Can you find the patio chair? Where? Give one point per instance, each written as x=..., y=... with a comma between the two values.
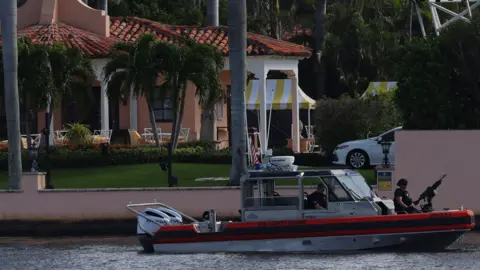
x=183, y=136
x=59, y=136
x=148, y=134
x=136, y=139
x=102, y=136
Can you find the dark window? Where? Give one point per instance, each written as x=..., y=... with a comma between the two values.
x=162, y=108
x=336, y=190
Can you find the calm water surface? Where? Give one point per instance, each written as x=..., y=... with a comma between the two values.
x=124, y=253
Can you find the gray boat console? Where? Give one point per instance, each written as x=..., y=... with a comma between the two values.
x=347, y=195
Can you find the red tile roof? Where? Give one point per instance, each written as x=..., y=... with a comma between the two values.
x=130, y=28
x=91, y=44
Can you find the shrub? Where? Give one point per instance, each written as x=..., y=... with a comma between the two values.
x=348, y=119
x=205, y=145
x=65, y=157
x=78, y=134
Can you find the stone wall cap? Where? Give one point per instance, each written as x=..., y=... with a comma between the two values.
x=34, y=173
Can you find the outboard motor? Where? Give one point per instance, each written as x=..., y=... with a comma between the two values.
x=150, y=220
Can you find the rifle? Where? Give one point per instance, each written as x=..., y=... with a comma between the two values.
x=430, y=192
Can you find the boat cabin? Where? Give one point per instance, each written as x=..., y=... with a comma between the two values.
x=346, y=193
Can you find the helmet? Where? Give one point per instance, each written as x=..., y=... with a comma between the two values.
x=402, y=182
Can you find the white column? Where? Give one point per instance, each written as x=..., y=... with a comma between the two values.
x=105, y=123
x=295, y=115
x=261, y=74
x=133, y=111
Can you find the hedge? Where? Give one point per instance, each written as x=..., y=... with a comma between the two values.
x=63, y=157
x=347, y=119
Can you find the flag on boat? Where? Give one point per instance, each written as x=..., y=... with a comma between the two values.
x=254, y=154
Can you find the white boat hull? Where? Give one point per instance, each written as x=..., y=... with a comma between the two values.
x=421, y=240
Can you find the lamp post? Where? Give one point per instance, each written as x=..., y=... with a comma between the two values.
x=33, y=154
x=167, y=166
x=386, y=150
x=46, y=133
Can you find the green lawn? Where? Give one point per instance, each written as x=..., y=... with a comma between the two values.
x=145, y=175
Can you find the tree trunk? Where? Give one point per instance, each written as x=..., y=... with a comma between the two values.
x=12, y=108
x=237, y=36
x=103, y=5
x=27, y=125
x=256, y=8
x=208, y=119
x=212, y=12
x=175, y=104
x=178, y=127
x=208, y=124
x=321, y=7
x=153, y=123
x=274, y=19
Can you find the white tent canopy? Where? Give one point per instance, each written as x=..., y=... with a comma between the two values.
x=280, y=91
x=375, y=88
x=279, y=96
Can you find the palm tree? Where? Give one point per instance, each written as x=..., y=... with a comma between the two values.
x=72, y=74
x=134, y=67
x=237, y=36
x=35, y=82
x=10, y=72
x=199, y=64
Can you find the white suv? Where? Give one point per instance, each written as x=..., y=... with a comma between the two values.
x=364, y=153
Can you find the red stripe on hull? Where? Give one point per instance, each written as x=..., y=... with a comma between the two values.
x=213, y=238
x=420, y=216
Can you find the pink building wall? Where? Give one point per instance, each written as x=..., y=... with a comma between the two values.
x=422, y=157
x=36, y=203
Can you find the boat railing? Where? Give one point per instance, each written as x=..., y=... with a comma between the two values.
x=131, y=206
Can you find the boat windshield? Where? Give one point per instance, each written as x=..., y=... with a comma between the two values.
x=357, y=185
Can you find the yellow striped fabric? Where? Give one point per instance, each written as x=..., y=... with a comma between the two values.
x=279, y=95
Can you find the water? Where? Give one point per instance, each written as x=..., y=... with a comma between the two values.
x=124, y=253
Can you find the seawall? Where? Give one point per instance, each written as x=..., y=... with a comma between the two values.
x=35, y=211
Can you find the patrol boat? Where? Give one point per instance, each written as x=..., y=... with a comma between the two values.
x=355, y=219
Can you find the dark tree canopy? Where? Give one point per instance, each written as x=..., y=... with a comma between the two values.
x=439, y=80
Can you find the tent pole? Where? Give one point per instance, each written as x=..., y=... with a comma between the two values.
x=309, y=123
x=269, y=123
x=256, y=134
x=269, y=126
x=249, y=146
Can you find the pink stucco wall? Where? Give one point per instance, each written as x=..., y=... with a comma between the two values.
x=35, y=203
x=423, y=157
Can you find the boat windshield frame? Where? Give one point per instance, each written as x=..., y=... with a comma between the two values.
x=356, y=184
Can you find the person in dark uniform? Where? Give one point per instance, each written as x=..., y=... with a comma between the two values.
x=318, y=199
x=402, y=200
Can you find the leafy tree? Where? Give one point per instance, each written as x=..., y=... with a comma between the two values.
x=349, y=119
x=177, y=12
x=438, y=86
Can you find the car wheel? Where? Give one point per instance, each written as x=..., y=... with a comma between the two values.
x=358, y=159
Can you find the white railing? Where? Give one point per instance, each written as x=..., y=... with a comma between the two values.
x=436, y=5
